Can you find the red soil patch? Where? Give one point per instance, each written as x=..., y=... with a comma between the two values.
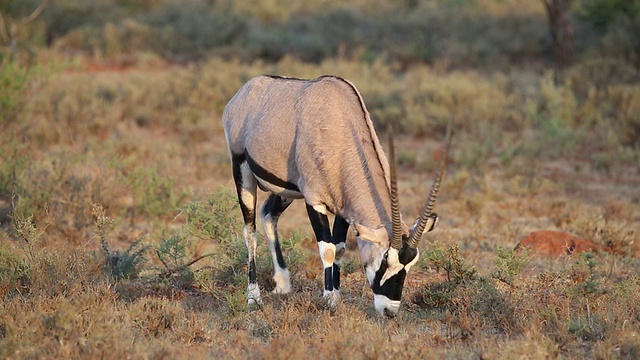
x=87, y=66
x=557, y=243
x=95, y=67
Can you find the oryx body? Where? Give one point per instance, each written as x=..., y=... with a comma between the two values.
x=314, y=139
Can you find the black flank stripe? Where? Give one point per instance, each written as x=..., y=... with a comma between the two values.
x=265, y=175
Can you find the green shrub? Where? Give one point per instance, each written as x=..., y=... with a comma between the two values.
x=125, y=264
x=118, y=264
x=152, y=193
x=450, y=261
x=14, y=85
x=12, y=165
x=623, y=102
x=603, y=13
x=172, y=251
x=215, y=218
x=192, y=29
x=14, y=272
x=509, y=264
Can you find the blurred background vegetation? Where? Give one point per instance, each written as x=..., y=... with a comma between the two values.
x=493, y=34
x=114, y=169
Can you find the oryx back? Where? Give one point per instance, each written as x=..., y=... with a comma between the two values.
x=314, y=139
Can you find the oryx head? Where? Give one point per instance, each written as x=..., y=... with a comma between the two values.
x=387, y=258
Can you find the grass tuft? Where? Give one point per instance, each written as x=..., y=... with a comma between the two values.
x=118, y=264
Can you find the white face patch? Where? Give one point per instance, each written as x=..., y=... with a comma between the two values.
x=371, y=255
x=393, y=265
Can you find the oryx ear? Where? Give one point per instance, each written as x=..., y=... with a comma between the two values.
x=376, y=236
x=432, y=220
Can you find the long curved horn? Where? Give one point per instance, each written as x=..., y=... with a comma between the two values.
x=396, y=229
x=427, y=210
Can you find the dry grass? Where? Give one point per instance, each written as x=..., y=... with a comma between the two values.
x=145, y=144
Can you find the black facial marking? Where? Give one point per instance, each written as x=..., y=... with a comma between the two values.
x=265, y=175
x=407, y=254
x=392, y=287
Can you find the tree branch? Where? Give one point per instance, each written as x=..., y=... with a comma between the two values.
x=35, y=13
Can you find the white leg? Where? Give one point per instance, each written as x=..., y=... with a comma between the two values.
x=270, y=212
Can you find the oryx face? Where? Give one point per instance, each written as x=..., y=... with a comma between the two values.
x=386, y=266
x=389, y=254
x=386, y=270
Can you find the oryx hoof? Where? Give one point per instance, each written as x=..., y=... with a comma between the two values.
x=254, y=302
x=281, y=290
x=283, y=283
x=332, y=298
x=253, y=296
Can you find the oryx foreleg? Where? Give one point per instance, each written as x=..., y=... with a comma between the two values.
x=270, y=211
x=246, y=186
x=339, y=237
x=327, y=249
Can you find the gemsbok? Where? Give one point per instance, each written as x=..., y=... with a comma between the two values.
x=314, y=140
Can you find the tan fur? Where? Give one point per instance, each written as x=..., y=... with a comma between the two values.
x=316, y=134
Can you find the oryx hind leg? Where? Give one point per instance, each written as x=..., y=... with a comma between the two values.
x=246, y=186
x=327, y=249
x=270, y=211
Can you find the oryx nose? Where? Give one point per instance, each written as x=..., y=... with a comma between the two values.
x=391, y=312
x=386, y=306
